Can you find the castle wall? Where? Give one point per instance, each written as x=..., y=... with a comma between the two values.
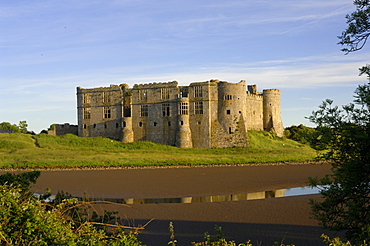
x=62, y=129
x=100, y=112
x=201, y=115
x=254, y=111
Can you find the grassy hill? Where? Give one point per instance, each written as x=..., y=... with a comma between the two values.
x=27, y=151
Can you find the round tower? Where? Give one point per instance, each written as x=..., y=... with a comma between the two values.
x=271, y=112
x=127, y=132
x=231, y=105
x=183, y=136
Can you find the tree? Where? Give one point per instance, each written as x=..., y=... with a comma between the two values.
x=22, y=126
x=358, y=30
x=7, y=125
x=344, y=136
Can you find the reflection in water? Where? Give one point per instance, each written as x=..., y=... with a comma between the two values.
x=221, y=198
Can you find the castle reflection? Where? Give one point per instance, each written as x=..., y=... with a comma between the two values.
x=219, y=198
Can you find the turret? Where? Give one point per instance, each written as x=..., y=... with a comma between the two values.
x=183, y=136
x=271, y=112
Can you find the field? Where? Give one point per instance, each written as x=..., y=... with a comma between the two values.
x=68, y=151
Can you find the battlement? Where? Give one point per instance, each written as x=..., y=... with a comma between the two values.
x=271, y=91
x=156, y=85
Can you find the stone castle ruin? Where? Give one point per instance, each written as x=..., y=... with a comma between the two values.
x=212, y=114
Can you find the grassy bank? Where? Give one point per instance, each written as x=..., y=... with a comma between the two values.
x=21, y=150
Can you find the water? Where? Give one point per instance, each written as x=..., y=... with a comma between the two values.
x=307, y=190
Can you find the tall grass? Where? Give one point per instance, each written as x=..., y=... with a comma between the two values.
x=20, y=150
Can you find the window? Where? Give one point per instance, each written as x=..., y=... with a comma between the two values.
x=155, y=124
x=166, y=109
x=107, y=113
x=86, y=113
x=165, y=93
x=198, y=106
x=143, y=95
x=184, y=108
x=228, y=97
x=198, y=92
x=106, y=97
x=127, y=111
x=124, y=124
x=117, y=125
x=184, y=92
x=230, y=130
x=140, y=124
x=228, y=111
x=144, y=110
x=86, y=98
x=169, y=123
x=84, y=126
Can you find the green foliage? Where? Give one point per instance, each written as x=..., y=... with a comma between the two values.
x=22, y=126
x=7, y=125
x=218, y=240
x=338, y=242
x=301, y=133
x=358, y=29
x=344, y=134
x=23, y=180
x=25, y=220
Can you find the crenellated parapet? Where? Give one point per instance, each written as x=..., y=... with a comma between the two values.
x=155, y=85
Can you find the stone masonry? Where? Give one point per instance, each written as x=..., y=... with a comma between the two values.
x=212, y=114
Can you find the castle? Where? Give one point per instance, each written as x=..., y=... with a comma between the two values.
x=212, y=114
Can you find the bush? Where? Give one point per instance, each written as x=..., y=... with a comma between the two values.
x=24, y=220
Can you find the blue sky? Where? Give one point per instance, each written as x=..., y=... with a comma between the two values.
x=48, y=48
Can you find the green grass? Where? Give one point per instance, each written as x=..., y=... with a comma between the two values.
x=26, y=151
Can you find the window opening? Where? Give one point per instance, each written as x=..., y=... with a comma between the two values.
x=107, y=113
x=228, y=111
x=86, y=98
x=127, y=111
x=165, y=93
x=143, y=95
x=198, y=106
x=198, y=92
x=106, y=97
x=184, y=108
x=86, y=113
x=144, y=110
x=166, y=109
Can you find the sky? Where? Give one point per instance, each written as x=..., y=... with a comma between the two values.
x=48, y=48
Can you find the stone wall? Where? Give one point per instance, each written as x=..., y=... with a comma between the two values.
x=62, y=129
x=202, y=115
